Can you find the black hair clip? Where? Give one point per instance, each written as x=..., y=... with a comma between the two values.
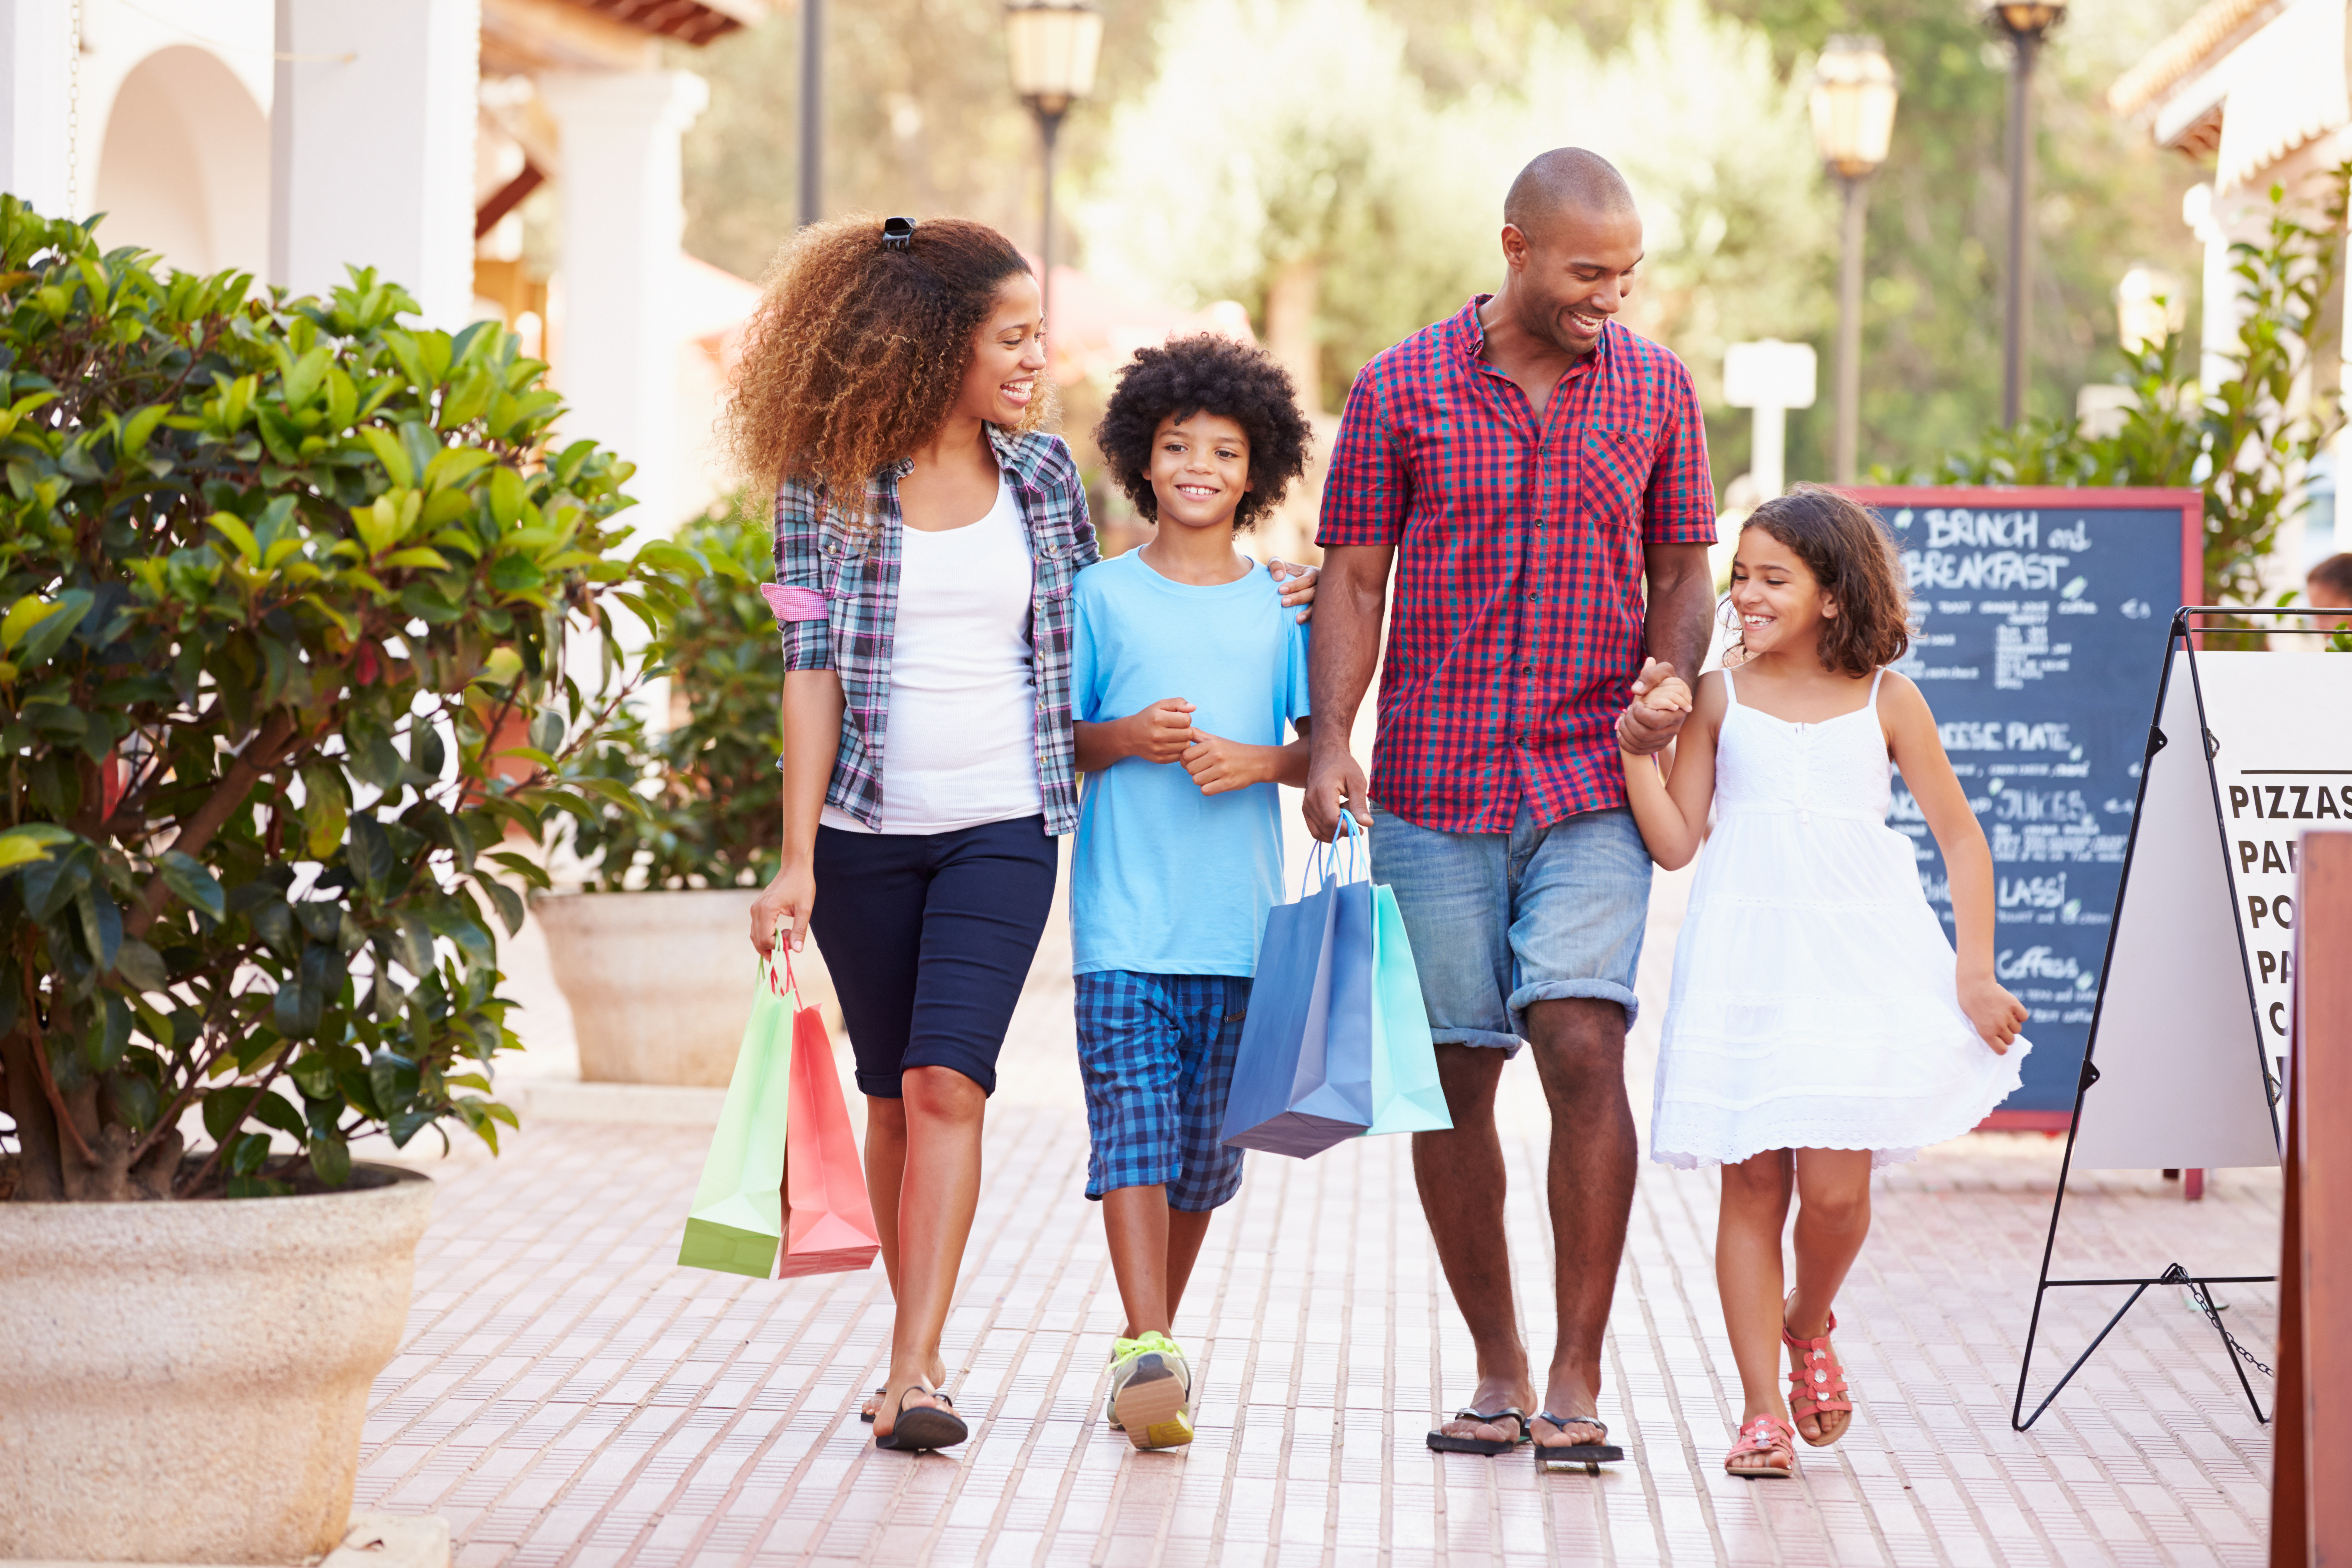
x=898, y=234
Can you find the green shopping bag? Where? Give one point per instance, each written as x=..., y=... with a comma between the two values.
x=737, y=1221
x=1406, y=1094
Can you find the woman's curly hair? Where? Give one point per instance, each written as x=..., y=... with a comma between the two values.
x=856, y=353
x=1211, y=375
x=1856, y=563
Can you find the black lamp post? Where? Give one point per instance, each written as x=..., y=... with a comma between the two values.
x=1052, y=46
x=2025, y=23
x=812, y=110
x=1853, y=120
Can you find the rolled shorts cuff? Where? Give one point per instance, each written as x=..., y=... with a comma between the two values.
x=1166, y=1175
x=1486, y=1039
x=1558, y=990
x=888, y=1086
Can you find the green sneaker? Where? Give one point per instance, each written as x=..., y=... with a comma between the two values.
x=1151, y=1392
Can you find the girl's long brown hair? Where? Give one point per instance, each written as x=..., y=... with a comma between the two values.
x=1858, y=565
x=856, y=353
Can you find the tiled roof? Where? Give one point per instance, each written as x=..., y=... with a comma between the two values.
x=2188, y=50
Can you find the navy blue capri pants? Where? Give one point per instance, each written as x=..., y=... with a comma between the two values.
x=928, y=938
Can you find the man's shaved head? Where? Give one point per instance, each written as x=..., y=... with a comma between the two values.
x=1566, y=180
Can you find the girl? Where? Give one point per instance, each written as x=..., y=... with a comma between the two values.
x=927, y=533
x=1819, y=1023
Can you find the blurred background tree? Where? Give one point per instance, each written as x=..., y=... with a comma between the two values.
x=1338, y=165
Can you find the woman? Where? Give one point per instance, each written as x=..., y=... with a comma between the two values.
x=927, y=534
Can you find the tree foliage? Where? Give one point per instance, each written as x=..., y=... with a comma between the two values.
x=2246, y=442
x=285, y=586
x=706, y=786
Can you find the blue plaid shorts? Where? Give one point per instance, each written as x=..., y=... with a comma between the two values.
x=1157, y=1054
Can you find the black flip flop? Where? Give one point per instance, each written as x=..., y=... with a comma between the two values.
x=1588, y=1456
x=881, y=1392
x=925, y=1427
x=1440, y=1443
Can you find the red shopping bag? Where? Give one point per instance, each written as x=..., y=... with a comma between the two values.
x=828, y=1219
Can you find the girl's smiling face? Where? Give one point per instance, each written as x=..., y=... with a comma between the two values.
x=1200, y=470
x=1007, y=357
x=1779, y=600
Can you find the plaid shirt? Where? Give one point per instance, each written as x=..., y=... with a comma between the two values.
x=1516, y=627
x=851, y=575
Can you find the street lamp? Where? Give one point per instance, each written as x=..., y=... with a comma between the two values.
x=2024, y=23
x=1854, y=119
x=1052, y=45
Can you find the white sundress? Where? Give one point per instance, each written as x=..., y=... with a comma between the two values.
x=1814, y=1002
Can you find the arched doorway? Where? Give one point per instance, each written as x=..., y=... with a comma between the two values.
x=185, y=168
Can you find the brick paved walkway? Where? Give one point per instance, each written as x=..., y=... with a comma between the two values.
x=567, y=1397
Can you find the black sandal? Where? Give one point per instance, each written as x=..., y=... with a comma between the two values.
x=1443, y=1443
x=1590, y=1457
x=881, y=1392
x=925, y=1427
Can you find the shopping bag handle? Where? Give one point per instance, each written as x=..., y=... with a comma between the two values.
x=790, y=989
x=1321, y=863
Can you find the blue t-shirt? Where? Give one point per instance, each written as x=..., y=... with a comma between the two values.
x=1165, y=879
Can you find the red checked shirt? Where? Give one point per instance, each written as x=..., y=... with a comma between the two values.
x=1516, y=627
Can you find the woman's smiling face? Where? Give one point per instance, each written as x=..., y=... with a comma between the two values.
x=1007, y=357
x=1779, y=600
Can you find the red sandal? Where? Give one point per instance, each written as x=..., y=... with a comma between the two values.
x=1771, y=1437
x=1817, y=1386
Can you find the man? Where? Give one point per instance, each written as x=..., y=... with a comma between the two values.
x=2328, y=586
x=1536, y=461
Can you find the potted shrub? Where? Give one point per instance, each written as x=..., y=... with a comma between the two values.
x=273, y=573
x=651, y=950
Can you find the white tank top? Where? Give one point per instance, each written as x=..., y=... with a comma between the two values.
x=960, y=746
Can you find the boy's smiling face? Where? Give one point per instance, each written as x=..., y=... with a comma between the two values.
x=1200, y=470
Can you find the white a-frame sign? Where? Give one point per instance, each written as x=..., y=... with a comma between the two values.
x=2188, y=1037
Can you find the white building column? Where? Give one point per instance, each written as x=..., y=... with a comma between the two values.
x=372, y=147
x=2222, y=291
x=623, y=219
x=36, y=64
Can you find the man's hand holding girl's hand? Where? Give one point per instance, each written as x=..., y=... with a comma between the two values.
x=1997, y=1014
x=1660, y=703
x=1160, y=732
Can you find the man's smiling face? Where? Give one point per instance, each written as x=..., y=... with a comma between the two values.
x=1573, y=273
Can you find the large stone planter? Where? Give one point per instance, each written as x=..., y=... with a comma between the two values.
x=660, y=984
x=185, y=1381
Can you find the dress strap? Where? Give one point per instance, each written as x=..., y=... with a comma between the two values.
x=1874, y=685
x=1730, y=691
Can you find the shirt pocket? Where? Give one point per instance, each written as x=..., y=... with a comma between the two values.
x=1617, y=459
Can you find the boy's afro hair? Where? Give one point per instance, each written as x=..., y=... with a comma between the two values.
x=1217, y=376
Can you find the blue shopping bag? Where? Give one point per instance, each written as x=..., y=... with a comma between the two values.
x=1337, y=1042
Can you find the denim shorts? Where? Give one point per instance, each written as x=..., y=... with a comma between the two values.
x=1500, y=921
x=1157, y=1054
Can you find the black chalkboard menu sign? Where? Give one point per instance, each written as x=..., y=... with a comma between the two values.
x=2041, y=616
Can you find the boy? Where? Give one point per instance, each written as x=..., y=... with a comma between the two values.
x=1185, y=668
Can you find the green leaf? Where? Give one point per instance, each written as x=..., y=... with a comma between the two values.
x=101, y=925
x=547, y=731
x=326, y=805
x=135, y=1099
x=508, y=902
x=23, y=616
x=272, y=1111
x=109, y=1033
x=330, y=1157
x=21, y=846
x=192, y=883
x=43, y=639
x=225, y=1110
x=231, y=527
x=142, y=966
x=50, y=884
x=389, y=452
